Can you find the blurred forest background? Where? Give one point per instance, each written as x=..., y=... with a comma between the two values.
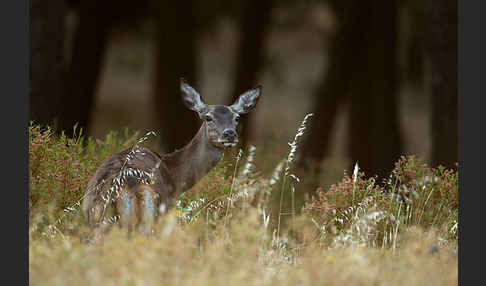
x=380, y=76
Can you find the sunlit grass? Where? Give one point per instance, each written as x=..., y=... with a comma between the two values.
x=223, y=231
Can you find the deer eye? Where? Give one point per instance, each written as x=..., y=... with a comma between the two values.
x=208, y=118
x=237, y=118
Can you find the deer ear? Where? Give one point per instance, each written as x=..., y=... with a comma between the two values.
x=192, y=99
x=247, y=100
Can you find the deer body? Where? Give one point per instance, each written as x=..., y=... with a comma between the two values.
x=137, y=183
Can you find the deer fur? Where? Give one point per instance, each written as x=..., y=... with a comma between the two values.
x=137, y=184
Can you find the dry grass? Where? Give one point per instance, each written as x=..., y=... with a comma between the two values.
x=223, y=232
x=242, y=254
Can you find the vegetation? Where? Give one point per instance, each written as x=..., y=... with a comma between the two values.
x=231, y=227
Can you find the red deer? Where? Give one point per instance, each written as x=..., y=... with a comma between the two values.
x=137, y=184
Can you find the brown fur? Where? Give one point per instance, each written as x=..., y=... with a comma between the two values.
x=146, y=177
x=176, y=173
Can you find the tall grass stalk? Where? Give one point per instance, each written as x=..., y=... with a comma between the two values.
x=240, y=153
x=355, y=177
x=280, y=205
x=207, y=205
x=249, y=162
x=290, y=159
x=293, y=207
x=423, y=207
x=396, y=228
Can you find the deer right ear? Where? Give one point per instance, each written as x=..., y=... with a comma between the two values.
x=192, y=99
x=247, y=100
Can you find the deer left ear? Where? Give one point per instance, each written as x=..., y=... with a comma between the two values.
x=192, y=99
x=247, y=101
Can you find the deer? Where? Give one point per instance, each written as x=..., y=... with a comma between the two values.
x=137, y=184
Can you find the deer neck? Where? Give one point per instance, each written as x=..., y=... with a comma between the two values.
x=189, y=164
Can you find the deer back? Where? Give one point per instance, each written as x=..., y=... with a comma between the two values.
x=130, y=167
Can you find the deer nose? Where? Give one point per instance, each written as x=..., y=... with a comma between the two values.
x=230, y=135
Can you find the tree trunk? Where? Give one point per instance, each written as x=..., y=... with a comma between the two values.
x=89, y=46
x=333, y=89
x=253, y=24
x=46, y=60
x=363, y=66
x=441, y=49
x=415, y=60
x=374, y=129
x=177, y=57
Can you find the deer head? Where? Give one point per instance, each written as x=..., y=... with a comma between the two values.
x=220, y=120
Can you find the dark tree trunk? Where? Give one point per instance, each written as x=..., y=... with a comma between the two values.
x=90, y=39
x=46, y=60
x=332, y=91
x=253, y=25
x=374, y=129
x=441, y=49
x=177, y=57
x=363, y=66
x=415, y=60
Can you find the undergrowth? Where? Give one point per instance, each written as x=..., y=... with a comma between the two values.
x=226, y=229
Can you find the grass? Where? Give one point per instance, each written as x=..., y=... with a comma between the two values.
x=227, y=230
